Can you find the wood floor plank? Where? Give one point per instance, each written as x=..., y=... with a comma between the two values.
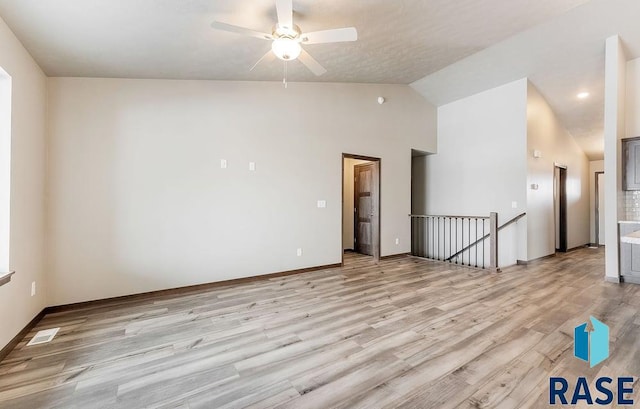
x=404, y=332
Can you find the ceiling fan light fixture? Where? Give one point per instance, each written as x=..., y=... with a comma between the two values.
x=286, y=49
x=287, y=38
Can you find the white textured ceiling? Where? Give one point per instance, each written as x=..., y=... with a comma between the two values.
x=446, y=49
x=561, y=57
x=400, y=41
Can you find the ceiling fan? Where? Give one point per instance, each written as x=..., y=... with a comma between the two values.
x=287, y=38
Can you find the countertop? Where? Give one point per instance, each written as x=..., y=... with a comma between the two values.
x=633, y=238
x=629, y=221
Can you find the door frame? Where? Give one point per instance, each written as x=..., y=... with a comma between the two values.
x=597, y=209
x=376, y=234
x=561, y=224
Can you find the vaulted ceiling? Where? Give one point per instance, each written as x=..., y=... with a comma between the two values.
x=399, y=41
x=445, y=49
x=561, y=57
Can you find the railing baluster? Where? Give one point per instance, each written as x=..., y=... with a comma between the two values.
x=433, y=233
x=462, y=242
x=469, y=238
x=437, y=238
x=429, y=238
x=483, y=243
x=415, y=228
x=422, y=238
x=456, y=239
x=425, y=232
x=413, y=237
x=418, y=227
x=476, y=238
x=450, y=239
x=438, y=235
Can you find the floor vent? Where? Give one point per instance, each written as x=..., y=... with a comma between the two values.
x=44, y=336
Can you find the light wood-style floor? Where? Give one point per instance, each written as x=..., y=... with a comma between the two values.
x=406, y=333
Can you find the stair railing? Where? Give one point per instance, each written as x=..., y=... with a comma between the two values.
x=458, y=239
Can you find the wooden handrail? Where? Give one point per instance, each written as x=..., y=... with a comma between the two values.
x=6, y=277
x=450, y=217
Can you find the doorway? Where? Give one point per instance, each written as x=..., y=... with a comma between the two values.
x=560, y=206
x=599, y=216
x=361, y=206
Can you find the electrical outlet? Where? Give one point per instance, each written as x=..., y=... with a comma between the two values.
x=299, y=252
x=514, y=205
x=33, y=288
x=397, y=241
x=322, y=204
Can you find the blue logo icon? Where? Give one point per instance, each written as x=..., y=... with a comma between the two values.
x=591, y=342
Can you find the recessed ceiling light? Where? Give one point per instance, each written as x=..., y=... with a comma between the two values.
x=583, y=95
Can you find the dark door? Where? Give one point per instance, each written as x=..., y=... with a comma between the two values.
x=599, y=209
x=366, y=212
x=561, y=208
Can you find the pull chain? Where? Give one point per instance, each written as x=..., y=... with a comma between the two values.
x=284, y=80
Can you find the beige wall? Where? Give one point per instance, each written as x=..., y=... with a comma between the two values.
x=26, y=253
x=348, y=203
x=546, y=134
x=138, y=201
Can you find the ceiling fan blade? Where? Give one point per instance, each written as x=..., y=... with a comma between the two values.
x=337, y=35
x=240, y=30
x=268, y=57
x=313, y=65
x=285, y=13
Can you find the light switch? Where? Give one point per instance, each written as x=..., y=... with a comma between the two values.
x=252, y=166
x=223, y=163
x=322, y=204
x=514, y=205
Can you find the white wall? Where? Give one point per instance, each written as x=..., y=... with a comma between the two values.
x=26, y=253
x=480, y=166
x=594, y=166
x=348, y=233
x=138, y=201
x=546, y=134
x=614, y=130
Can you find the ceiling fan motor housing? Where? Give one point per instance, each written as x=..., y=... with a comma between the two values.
x=279, y=31
x=286, y=43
